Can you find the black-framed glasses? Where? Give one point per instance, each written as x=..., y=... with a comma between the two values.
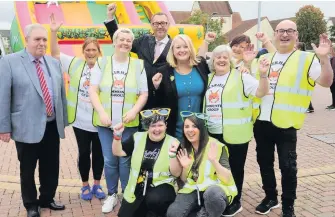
x=288, y=31
x=156, y=24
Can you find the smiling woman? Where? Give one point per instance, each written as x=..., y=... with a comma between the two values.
x=151, y=176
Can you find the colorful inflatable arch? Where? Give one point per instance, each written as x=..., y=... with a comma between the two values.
x=83, y=19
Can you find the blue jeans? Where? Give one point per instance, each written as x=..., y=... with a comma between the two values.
x=115, y=167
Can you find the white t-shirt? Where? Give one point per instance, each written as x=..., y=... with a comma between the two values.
x=120, y=71
x=276, y=67
x=84, y=107
x=214, y=99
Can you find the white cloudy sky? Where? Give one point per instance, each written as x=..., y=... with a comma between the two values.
x=248, y=9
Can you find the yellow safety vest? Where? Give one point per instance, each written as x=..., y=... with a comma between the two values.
x=75, y=72
x=208, y=176
x=237, y=123
x=292, y=93
x=135, y=69
x=161, y=169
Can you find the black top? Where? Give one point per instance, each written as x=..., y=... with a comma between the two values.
x=168, y=91
x=144, y=47
x=151, y=153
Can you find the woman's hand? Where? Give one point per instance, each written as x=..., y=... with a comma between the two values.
x=264, y=66
x=129, y=116
x=118, y=129
x=184, y=159
x=105, y=119
x=174, y=147
x=212, y=153
x=54, y=26
x=249, y=54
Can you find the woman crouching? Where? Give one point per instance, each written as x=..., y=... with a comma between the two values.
x=209, y=186
x=150, y=188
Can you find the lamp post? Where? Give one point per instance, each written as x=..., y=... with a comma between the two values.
x=259, y=22
x=209, y=19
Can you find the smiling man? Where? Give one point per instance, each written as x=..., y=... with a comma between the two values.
x=152, y=49
x=33, y=114
x=292, y=75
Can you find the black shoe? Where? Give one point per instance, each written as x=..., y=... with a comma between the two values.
x=288, y=211
x=266, y=206
x=33, y=211
x=53, y=206
x=310, y=111
x=232, y=209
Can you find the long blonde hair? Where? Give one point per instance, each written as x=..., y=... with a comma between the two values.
x=171, y=59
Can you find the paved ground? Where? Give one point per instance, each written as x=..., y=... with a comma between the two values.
x=316, y=182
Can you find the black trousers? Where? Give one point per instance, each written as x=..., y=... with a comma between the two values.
x=84, y=141
x=237, y=157
x=46, y=153
x=332, y=90
x=155, y=203
x=267, y=136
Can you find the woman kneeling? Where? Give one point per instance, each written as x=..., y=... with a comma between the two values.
x=209, y=186
x=150, y=188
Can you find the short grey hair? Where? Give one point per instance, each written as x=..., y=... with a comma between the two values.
x=216, y=52
x=29, y=28
x=123, y=30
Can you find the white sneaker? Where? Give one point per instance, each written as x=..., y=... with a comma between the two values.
x=109, y=203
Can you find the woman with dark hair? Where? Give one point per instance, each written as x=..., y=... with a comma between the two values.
x=301, y=46
x=243, y=50
x=209, y=186
x=150, y=189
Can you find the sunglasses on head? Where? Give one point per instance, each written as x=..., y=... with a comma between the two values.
x=151, y=112
x=185, y=114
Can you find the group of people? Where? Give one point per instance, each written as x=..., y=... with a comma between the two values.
x=170, y=121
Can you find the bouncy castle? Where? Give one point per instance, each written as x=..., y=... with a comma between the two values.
x=83, y=19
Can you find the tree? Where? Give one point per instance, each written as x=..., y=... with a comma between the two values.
x=310, y=23
x=332, y=33
x=214, y=25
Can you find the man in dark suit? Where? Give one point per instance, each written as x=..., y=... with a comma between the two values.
x=33, y=114
x=152, y=49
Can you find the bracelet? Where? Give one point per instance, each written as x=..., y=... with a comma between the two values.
x=264, y=76
x=207, y=42
x=172, y=154
x=117, y=137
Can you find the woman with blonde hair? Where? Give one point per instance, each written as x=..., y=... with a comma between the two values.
x=80, y=110
x=118, y=94
x=183, y=80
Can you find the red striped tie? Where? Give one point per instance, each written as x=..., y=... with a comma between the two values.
x=44, y=87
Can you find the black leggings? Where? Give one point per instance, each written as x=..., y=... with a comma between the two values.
x=156, y=202
x=84, y=141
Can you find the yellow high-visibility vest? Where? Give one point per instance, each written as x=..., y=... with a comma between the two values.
x=292, y=93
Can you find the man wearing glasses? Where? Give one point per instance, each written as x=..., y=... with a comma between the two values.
x=281, y=112
x=152, y=49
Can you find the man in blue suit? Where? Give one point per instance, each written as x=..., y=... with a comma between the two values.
x=33, y=114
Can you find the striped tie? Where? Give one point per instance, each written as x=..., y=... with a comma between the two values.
x=44, y=87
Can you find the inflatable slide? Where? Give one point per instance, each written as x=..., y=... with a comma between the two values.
x=83, y=19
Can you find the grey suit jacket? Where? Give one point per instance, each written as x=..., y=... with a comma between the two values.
x=22, y=109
